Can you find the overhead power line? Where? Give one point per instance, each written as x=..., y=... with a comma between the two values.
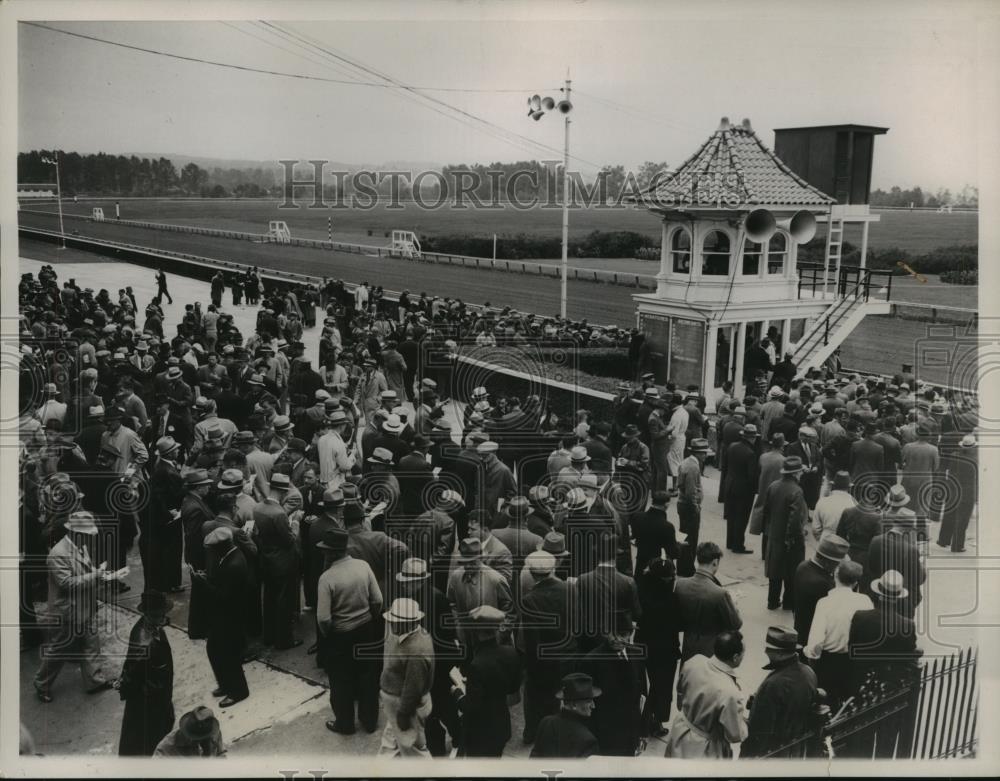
x=251, y=69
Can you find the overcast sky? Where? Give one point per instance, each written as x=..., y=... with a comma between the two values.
x=675, y=77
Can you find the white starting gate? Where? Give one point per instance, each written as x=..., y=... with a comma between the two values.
x=277, y=231
x=97, y=214
x=406, y=244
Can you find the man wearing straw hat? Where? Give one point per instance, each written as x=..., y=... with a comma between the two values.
x=406, y=681
x=785, y=517
x=785, y=702
x=896, y=549
x=566, y=734
x=883, y=640
x=72, y=604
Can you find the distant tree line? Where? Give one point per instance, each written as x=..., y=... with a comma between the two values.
x=104, y=174
x=968, y=197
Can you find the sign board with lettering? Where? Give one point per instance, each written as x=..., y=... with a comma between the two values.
x=655, y=351
x=687, y=351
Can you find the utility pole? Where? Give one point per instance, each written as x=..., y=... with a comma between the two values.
x=55, y=162
x=565, y=214
x=537, y=106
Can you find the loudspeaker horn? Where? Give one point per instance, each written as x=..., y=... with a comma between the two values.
x=565, y=106
x=537, y=115
x=548, y=104
x=801, y=226
x=534, y=102
x=760, y=225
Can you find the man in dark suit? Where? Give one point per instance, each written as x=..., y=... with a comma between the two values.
x=963, y=469
x=567, y=734
x=653, y=533
x=225, y=586
x=194, y=513
x=784, y=703
x=415, y=475
x=616, y=665
x=867, y=457
x=893, y=450
x=787, y=423
x=146, y=683
x=705, y=607
x=740, y=487
x=807, y=448
x=883, y=641
x=814, y=579
x=896, y=549
x=162, y=536
x=785, y=517
x=546, y=637
x=492, y=674
x=601, y=594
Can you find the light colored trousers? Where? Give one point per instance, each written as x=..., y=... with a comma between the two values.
x=404, y=743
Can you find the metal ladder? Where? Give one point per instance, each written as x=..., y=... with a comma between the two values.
x=834, y=244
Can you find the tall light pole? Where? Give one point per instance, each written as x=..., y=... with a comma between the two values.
x=55, y=162
x=537, y=106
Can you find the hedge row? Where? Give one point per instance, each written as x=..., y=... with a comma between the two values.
x=597, y=244
x=963, y=277
x=937, y=261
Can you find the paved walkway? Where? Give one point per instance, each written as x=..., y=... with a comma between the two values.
x=288, y=705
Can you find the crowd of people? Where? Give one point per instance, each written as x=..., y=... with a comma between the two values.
x=458, y=557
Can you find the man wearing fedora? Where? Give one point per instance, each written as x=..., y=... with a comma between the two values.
x=280, y=567
x=431, y=535
x=473, y=583
x=146, y=683
x=814, y=579
x=406, y=681
x=130, y=447
x=197, y=735
x=896, y=549
x=785, y=703
x=566, y=733
x=73, y=580
x=616, y=666
x=689, y=498
x=546, y=634
x=653, y=534
x=226, y=585
x=162, y=538
x=331, y=508
x=806, y=447
x=739, y=487
x=963, y=470
x=785, y=516
x=347, y=603
x=414, y=581
x=883, y=640
x=194, y=513
x=492, y=674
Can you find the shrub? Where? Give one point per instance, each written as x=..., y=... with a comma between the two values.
x=961, y=277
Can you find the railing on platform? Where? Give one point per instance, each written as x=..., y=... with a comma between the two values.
x=852, y=280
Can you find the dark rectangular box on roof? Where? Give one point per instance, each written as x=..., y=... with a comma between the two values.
x=836, y=159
